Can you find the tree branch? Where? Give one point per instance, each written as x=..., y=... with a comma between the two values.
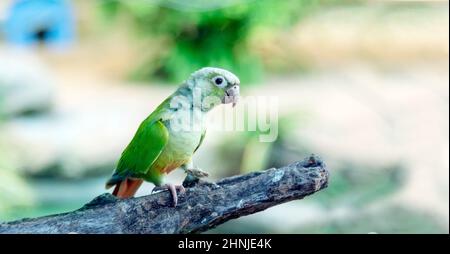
x=203, y=206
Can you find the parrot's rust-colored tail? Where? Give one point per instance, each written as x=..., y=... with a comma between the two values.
x=127, y=188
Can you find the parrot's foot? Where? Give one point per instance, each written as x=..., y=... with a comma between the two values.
x=193, y=177
x=173, y=191
x=197, y=173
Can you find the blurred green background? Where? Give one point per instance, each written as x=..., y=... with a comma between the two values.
x=363, y=84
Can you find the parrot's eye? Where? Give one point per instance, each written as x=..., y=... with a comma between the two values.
x=220, y=81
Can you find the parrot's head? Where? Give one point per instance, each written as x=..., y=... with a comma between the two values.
x=216, y=83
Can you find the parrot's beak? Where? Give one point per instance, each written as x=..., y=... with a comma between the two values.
x=232, y=95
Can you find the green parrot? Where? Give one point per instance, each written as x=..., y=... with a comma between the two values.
x=169, y=136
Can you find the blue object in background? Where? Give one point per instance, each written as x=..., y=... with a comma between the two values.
x=48, y=22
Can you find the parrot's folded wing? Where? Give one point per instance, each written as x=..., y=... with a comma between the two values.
x=147, y=144
x=201, y=140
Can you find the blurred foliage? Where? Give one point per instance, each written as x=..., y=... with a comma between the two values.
x=245, y=151
x=56, y=196
x=389, y=220
x=357, y=185
x=351, y=185
x=212, y=36
x=14, y=191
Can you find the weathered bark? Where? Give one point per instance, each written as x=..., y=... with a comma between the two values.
x=202, y=207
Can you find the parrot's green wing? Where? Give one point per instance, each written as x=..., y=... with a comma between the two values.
x=145, y=147
x=201, y=140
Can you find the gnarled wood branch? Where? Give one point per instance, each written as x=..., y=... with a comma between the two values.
x=203, y=206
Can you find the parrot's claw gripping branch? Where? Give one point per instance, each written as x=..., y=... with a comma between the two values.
x=173, y=191
x=202, y=207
